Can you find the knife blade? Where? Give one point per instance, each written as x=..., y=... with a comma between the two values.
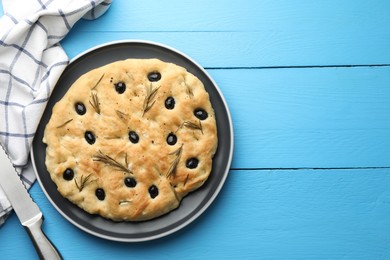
x=25, y=208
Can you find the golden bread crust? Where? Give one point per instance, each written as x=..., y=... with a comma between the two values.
x=102, y=137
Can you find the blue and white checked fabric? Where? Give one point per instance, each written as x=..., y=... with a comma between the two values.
x=31, y=61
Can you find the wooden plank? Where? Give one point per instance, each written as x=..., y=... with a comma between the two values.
x=293, y=118
x=256, y=33
x=250, y=49
x=305, y=16
x=304, y=214
x=251, y=33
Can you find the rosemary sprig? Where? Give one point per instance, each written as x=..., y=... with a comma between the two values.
x=175, y=162
x=149, y=98
x=95, y=102
x=106, y=159
x=97, y=83
x=64, y=124
x=191, y=125
x=83, y=182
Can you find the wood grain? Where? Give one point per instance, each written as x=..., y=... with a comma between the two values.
x=307, y=83
x=320, y=117
x=252, y=49
x=324, y=17
x=305, y=214
x=254, y=33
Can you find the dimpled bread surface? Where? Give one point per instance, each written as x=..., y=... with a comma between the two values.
x=130, y=139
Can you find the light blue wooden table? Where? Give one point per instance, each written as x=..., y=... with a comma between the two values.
x=308, y=87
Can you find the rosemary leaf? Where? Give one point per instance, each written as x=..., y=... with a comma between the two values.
x=121, y=115
x=153, y=93
x=111, y=137
x=98, y=81
x=126, y=162
x=64, y=124
x=148, y=107
x=185, y=182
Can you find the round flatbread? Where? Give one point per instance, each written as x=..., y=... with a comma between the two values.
x=130, y=139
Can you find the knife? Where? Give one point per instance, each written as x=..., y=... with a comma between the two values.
x=26, y=209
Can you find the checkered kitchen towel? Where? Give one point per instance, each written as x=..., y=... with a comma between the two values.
x=31, y=61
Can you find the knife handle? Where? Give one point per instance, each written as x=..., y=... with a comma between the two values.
x=44, y=247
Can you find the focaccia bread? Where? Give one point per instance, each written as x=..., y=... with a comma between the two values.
x=130, y=139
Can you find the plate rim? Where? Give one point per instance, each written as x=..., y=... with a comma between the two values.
x=220, y=184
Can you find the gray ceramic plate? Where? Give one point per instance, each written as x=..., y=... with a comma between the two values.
x=191, y=206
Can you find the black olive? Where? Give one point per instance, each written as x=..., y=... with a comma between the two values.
x=100, y=194
x=153, y=191
x=192, y=163
x=68, y=174
x=80, y=108
x=171, y=139
x=130, y=182
x=200, y=113
x=133, y=137
x=90, y=137
x=170, y=103
x=120, y=87
x=154, y=76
